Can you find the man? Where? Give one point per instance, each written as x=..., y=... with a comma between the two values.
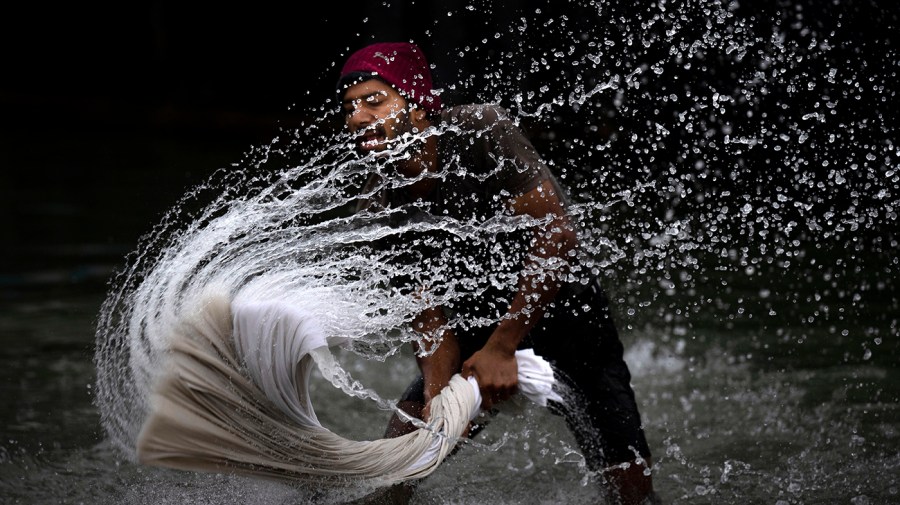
x=500, y=264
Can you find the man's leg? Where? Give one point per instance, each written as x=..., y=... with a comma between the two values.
x=631, y=483
x=412, y=403
x=599, y=407
x=607, y=429
x=398, y=427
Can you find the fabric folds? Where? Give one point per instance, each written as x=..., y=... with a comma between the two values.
x=234, y=399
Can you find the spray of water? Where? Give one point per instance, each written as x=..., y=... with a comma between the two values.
x=696, y=139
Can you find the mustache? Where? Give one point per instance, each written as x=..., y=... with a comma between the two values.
x=376, y=130
x=366, y=134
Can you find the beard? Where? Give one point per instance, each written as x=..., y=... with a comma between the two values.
x=375, y=140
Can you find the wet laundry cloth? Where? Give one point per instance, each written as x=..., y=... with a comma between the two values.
x=234, y=399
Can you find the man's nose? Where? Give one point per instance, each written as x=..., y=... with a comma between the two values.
x=360, y=118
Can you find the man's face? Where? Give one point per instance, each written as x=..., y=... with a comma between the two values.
x=376, y=113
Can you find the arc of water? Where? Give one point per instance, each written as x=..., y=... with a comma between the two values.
x=234, y=399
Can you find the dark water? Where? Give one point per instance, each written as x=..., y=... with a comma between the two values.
x=767, y=383
x=73, y=208
x=767, y=364
x=740, y=406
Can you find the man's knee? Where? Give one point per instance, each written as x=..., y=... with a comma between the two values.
x=630, y=483
x=398, y=427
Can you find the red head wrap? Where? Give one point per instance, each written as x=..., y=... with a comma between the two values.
x=400, y=64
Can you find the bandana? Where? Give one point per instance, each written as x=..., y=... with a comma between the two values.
x=399, y=64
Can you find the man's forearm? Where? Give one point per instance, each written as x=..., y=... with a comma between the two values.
x=541, y=279
x=438, y=355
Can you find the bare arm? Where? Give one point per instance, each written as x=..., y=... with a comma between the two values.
x=494, y=366
x=438, y=356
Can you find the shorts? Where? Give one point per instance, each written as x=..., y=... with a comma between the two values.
x=584, y=348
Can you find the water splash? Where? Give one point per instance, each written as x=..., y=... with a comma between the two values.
x=720, y=156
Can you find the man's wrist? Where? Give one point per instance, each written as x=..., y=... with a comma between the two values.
x=504, y=340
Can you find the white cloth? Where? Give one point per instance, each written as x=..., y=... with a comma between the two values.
x=275, y=340
x=235, y=398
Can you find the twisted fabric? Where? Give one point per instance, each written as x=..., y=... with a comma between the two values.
x=234, y=399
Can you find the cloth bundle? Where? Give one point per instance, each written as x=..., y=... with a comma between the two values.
x=234, y=399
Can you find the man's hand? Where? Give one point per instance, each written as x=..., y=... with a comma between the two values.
x=494, y=366
x=431, y=390
x=426, y=414
x=497, y=374
x=437, y=355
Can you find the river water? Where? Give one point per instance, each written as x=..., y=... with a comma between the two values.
x=738, y=188
x=740, y=406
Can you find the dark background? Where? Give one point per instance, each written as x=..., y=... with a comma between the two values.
x=110, y=112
